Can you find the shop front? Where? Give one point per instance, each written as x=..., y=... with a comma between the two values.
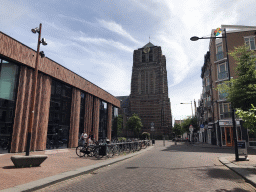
x=226, y=128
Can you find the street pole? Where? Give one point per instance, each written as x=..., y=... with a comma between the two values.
x=191, y=110
x=33, y=95
x=233, y=111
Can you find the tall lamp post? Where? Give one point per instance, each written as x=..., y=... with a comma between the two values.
x=34, y=86
x=191, y=107
x=195, y=38
x=191, y=118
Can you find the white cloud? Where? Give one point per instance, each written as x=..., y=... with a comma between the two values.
x=104, y=42
x=116, y=28
x=12, y=13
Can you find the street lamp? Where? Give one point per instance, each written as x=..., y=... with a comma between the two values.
x=191, y=118
x=191, y=107
x=34, y=86
x=195, y=38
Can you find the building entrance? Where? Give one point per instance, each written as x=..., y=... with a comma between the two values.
x=229, y=136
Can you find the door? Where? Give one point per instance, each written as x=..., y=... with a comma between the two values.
x=229, y=136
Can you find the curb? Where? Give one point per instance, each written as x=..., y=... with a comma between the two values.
x=41, y=183
x=248, y=176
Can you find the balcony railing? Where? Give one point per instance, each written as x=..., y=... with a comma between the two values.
x=225, y=115
x=223, y=75
x=206, y=73
x=222, y=96
x=207, y=88
x=208, y=103
x=219, y=56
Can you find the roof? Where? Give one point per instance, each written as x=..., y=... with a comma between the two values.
x=149, y=45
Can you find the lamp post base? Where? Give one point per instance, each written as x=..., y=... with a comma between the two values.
x=21, y=161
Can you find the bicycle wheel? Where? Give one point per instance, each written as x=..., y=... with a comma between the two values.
x=78, y=151
x=116, y=150
x=97, y=153
x=91, y=150
x=110, y=151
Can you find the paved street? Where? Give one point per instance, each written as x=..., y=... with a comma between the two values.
x=169, y=168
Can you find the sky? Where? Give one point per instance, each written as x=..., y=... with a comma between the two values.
x=96, y=39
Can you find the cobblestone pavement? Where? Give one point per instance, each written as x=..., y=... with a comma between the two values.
x=170, y=168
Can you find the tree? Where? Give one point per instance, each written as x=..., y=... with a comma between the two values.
x=177, y=130
x=134, y=124
x=189, y=121
x=241, y=92
x=249, y=118
x=118, y=125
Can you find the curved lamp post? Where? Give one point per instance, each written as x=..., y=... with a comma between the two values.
x=34, y=85
x=191, y=107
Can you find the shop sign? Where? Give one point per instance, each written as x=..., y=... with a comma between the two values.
x=228, y=123
x=209, y=126
x=225, y=123
x=242, y=148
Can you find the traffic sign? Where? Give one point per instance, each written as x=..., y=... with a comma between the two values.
x=152, y=126
x=191, y=128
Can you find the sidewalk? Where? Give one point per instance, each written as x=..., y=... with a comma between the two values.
x=246, y=169
x=61, y=164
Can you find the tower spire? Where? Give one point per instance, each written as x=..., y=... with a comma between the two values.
x=149, y=38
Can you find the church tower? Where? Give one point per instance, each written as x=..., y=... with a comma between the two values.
x=149, y=90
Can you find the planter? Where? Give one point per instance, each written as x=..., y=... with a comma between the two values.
x=21, y=161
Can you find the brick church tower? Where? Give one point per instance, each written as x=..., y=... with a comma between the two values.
x=149, y=90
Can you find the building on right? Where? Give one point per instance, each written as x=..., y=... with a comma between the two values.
x=214, y=111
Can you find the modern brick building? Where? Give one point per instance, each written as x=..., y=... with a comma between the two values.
x=66, y=103
x=149, y=90
x=214, y=111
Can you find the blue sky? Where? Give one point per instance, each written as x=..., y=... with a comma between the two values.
x=96, y=39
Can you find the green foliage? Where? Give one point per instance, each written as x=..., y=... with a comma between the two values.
x=189, y=121
x=145, y=135
x=121, y=139
x=118, y=125
x=177, y=129
x=249, y=118
x=134, y=124
x=242, y=90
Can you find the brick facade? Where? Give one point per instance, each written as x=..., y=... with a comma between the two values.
x=21, y=55
x=210, y=114
x=149, y=90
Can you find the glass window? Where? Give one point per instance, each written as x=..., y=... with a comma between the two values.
x=8, y=84
x=143, y=58
x=8, y=73
x=59, y=118
x=222, y=71
x=82, y=113
x=250, y=42
x=219, y=50
x=103, y=120
x=225, y=110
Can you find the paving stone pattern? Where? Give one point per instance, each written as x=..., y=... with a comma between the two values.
x=170, y=168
